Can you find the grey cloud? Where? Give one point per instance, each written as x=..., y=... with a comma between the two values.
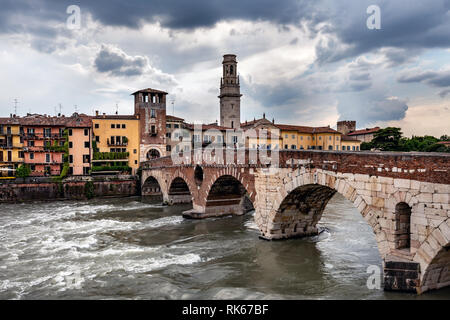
x=439, y=79
x=116, y=62
x=366, y=110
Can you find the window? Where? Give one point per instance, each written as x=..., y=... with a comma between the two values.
x=337, y=148
x=329, y=138
x=235, y=139
x=286, y=136
x=86, y=158
x=113, y=126
x=32, y=156
x=61, y=132
x=320, y=147
x=301, y=148
x=70, y=158
x=124, y=126
x=86, y=132
x=320, y=138
x=176, y=126
x=97, y=139
x=301, y=137
x=47, y=157
x=348, y=148
x=293, y=147
x=118, y=126
x=33, y=167
x=353, y=148
x=134, y=151
x=196, y=138
x=97, y=126
x=168, y=135
x=153, y=113
x=21, y=155
x=70, y=132
x=86, y=171
x=47, y=132
x=337, y=138
x=168, y=125
x=135, y=161
x=286, y=146
x=153, y=129
x=232, y=124
x=70, y=144
x=87, y=144
x=293, y=136
x=206, y=138
x=357, y=148
x=168, y=148
x=343, y=148
x=30, y=131
x=113, y=140
x=330, y=147
x=219, y=139
x=31, y=143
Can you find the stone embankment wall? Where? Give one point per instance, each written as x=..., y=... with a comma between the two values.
x=71, y=188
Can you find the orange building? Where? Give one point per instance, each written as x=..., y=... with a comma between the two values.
x=79, y=132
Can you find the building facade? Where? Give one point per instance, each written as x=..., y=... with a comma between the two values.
x=43, y=141
x=116, y=144
x=11, y=146
x=79, y=133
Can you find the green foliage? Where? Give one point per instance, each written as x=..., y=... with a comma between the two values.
x=387, y=139
x=111, y=155
x=89, y=189
x=121, y=168
x=390, y=139
x=366, y=146
x=23, y=171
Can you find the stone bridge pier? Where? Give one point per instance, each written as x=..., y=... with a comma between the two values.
x=404, y=197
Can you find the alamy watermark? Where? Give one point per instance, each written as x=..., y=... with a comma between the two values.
x=73, y=22
x=374, y=280
x=374, y=20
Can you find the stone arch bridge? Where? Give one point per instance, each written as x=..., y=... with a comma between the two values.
x=404, y=197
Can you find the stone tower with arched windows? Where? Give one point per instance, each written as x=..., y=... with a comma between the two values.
x=230, y=93
x=150, y=105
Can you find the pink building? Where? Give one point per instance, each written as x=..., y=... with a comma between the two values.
x=79, y=128
x=43, y=144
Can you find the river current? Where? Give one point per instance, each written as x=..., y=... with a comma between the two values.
x=128, y=249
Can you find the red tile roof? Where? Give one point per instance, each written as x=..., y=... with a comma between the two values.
x=363, y=131
x=149, y=90
x=173, y=118
x=446, y=143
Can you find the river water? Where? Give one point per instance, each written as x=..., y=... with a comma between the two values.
x=127, y=249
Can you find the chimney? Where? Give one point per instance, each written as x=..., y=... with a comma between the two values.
x=96, y=113
x=10, y=115
x=273, y=120
x=264, y=115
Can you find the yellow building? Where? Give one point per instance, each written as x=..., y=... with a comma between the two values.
x=350, y=144
x=116, y=144
x=11, y=146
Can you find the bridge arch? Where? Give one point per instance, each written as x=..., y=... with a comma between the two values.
x=436, y=274
x=227, y=194
x=299, y=203
x=152, y=190
x=180, y=190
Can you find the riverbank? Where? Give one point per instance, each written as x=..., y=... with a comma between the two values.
x=72, y=188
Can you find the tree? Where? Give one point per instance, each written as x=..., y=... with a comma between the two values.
x=387, y=139
x=444, y=138
x=23, y=171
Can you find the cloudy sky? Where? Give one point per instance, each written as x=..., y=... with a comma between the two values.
x=308, y=62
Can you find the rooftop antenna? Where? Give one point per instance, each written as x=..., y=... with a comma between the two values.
x=117, y=107
x=60, y=108
x=16, y=102
x=76, y=108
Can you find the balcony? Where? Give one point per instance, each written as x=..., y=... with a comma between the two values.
x=117, y=144
x=41, y=136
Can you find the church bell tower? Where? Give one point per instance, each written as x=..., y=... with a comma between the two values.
x=230, y=94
